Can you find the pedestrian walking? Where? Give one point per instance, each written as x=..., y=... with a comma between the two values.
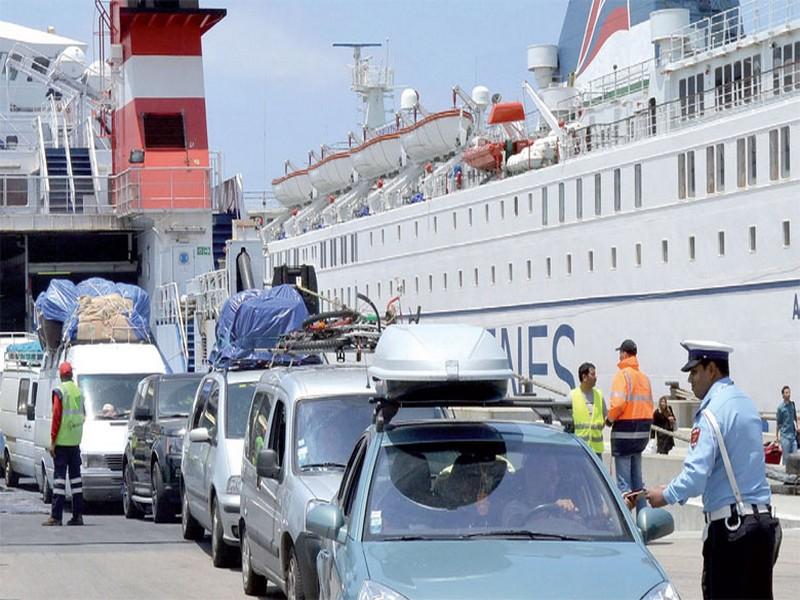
x=725, y=464
x=630, y=417
x=664, y=417
x=786, y=419
x=588, y=409
x=65, y=440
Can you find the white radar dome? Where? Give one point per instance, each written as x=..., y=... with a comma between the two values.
x=71, y=62
x=409, y=99
x=481, y=96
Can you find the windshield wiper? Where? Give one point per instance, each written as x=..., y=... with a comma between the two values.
x=323, y=465
x=415, y=538
x=528, y=535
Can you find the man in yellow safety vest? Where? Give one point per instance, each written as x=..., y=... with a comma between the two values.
x=588, y=409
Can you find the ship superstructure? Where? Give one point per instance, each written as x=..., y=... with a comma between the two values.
x=652, y=196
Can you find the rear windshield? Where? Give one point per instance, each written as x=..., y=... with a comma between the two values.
x=176, y=396
x=109, y=396
x=240, y=396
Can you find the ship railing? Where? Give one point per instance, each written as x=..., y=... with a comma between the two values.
x=168, y=312
x=143, y=189
x=620, y=82
x=49, y=195
x=751, y=17
x=209, y=292
x=17, y=133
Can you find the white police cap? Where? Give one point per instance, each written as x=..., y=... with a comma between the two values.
x=700, y=350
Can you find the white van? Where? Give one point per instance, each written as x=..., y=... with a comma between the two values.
x=18, y=385
x=107, y=375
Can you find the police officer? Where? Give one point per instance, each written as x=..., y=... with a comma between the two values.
x=66, y=432
x=725, y=464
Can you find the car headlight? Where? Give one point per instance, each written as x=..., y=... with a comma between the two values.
x=371, y=590
x=663, y=591
x=93, y=461
x=174, y=444
x=234, y=485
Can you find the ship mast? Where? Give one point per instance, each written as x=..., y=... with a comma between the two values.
x=371, y=83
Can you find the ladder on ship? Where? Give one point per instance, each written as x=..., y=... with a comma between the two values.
x=69, y=175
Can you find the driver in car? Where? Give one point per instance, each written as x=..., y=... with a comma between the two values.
x=541, y=491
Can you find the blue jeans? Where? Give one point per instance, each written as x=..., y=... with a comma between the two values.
x=788, y=445
x=629, y=475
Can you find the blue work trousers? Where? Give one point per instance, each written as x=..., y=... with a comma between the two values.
x=67, y=458
x=629, y=475
x=788, y=445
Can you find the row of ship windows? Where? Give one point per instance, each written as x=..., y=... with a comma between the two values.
x=399, y=286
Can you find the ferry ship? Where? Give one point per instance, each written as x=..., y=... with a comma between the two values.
x=644, y=186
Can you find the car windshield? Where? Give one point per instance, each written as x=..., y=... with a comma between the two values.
x=240, y=396
x=327, y=428
x=176, y=396
x=505, y=488
x=109, y=396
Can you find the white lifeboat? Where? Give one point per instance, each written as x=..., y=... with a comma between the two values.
x=378, y=156
x=437, y=134
x=293, y=189
x=332, y=173
x=542, y=153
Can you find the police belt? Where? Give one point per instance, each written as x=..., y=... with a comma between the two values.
x=726, y=512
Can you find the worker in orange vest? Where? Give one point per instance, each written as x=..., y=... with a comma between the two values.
x=630, y=418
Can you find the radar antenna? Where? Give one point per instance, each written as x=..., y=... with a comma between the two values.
x=372, y=83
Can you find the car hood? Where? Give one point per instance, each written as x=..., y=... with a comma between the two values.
x=322, y=484
x=234, y=448
x=509, y=569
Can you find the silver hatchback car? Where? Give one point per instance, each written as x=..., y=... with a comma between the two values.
x=212, y=458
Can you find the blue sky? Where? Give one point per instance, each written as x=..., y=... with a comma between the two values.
x=275, y=88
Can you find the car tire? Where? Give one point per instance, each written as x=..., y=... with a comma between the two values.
x=252, y=583
x=221, y=553
x=11, y=476
x=47, y=491
x=129, y=506
x=162, y=512
x=190, y=528
x=294, y=579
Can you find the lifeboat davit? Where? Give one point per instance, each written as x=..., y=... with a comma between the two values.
x=436, y=135
x=378, y=156
x=332, y=173
x=293, y=189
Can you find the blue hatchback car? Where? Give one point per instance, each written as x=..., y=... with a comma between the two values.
x=482, y=510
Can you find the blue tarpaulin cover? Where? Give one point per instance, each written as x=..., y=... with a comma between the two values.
x=58, y=301
x=251, y=322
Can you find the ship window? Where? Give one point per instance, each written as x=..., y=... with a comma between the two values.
x=613, y=257
x=416, y=229
x=690, y=187
x=721, y=243
x=579, y=198
x=777, y=61
x=598, y=206
x=370, y=238
x=399, y=233
x=163, y=131
x=569, y=264
x=741, y=163
x=486, y=212
x=548, y=267
x=752, y=237
x=691, y=248
x=510, y=272
x=502, y=209
x=638, y=254
x=344, y=248
x=348, y=297
x=785, y=145
x=475, y=273
x=435, y=224
x=516, y=206
x=383, y=236
x=529, y=267
x=544, y=205
x=773, y=155
x=334, y=256
x=430, y=283
x=751, y=163
x=460, y=278
x=691, y=91
x=416, y=285
x=469, y=214
x=366, y=290
x=728, y=72
x=455, y=220
x=681, y=176
x=718, y=90
x=664, y=251
x=379, y=289
x=561, y=203
x=494, y=276
x=787, y=234
x=637, y=185
x=617, y=190
x=710, y=171
x=530, y=202
x=738, y=84
x=720, y=167
x=788, y=71
x=444, y=281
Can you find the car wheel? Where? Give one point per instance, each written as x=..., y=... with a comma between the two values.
x=190, y=528
x=47, y=491
x=129, y=506
x=294, y=579
x=12, y=477
x=161, y=508
x=253, y=583
x=221, y=553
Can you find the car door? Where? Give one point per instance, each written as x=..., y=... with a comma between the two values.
x=26, y=397
x=268, y=488
x=191, y=465
x=208, y=451
x=253, y=504
x=141, y=427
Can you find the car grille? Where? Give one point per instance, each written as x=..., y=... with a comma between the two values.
x=114, y=462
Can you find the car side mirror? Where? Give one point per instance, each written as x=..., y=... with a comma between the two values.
x=654, y=523
x=267, y=464
x=142, y=413
x=31, y=412
x=326, y=520
x=200, y=435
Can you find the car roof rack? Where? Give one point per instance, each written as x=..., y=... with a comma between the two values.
x=24, y=358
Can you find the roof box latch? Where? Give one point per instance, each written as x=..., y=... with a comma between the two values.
x=451, y=369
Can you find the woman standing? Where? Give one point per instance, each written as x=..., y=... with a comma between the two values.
x=664, y=417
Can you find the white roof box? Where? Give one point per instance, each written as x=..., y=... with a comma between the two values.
x=439, y=353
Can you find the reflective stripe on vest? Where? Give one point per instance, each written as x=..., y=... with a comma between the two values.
x=72, y=416
x=589, y=429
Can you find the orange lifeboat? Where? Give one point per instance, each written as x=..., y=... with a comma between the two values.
x=485, y=155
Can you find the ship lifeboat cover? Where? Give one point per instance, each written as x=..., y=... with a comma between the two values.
x=506, y=112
